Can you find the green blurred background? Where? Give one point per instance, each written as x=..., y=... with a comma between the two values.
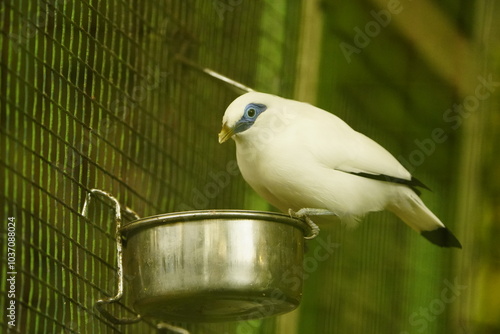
x=93, y=95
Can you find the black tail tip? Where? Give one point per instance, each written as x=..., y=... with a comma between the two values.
x=442, y=237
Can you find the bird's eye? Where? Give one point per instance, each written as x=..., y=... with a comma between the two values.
x=251, y=113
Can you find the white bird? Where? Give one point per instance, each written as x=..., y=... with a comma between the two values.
x=304, y=159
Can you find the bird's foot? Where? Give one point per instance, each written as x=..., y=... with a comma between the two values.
x=305, y=213
x=312, y=212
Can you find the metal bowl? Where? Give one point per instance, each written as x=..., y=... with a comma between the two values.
x=208, y=266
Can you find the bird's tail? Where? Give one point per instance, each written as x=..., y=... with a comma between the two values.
x=415, y=214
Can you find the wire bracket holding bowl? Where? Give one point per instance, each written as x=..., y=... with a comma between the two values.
x=119, y=264
x=119, y=257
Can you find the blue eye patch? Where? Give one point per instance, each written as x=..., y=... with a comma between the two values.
x=252, y=111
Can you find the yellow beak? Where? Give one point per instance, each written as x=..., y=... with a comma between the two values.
x=225, y=133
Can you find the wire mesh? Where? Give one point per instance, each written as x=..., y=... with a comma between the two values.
x=92, y=96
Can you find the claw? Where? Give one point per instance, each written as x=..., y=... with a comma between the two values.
x=314, y=229
x=303, y=215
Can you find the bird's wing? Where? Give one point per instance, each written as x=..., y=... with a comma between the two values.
x=366, y=158
x=336, y=145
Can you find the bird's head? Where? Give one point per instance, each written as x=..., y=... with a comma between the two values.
x=246, y=113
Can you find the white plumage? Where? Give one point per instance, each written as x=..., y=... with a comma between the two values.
x=298, y=156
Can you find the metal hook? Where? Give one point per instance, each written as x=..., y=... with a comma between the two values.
x=119, y=254
x=214, y=74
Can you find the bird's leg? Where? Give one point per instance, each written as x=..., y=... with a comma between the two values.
x=313, y=212
x=305, y=213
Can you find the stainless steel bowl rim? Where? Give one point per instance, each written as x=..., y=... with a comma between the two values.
x=190, y=216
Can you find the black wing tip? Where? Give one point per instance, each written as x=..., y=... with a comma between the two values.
x=442, y=237
x=417, y=183
x=412, y=183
